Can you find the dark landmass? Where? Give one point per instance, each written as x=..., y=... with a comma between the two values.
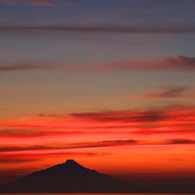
x=70, y=177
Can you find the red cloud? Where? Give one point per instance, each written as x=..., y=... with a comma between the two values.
x=21, y=133
x=95, y=144
x=107, y=143
x=176, y=120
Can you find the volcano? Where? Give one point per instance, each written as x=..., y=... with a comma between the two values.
x=68, y=177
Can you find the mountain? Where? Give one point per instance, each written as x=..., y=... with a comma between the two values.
x=66, y=177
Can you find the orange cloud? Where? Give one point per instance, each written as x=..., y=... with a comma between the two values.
x=169, y=120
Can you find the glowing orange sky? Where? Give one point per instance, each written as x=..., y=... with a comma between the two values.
x=163, y=140
x=107, y=83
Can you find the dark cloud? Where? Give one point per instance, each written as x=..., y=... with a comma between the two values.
x=107, y=143
x=101, y=29
x=13, y=132
x=20, y=158
x=98, y=144
x=180, y=63
x=172, y=91
x=52, y=116
x=19, y=67
x=181, y=141
x=168, y=131
x=42, y=3
x=29, y=2
x=166, y=92
x=126, y=116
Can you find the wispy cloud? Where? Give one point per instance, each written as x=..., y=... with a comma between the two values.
x=96, y=144
x=42, y=3
x=166, y=92
x=52, y=116
x=174, y=120
x=100, y=29
x=4, y=52
x=30, y=2
x=181, y=141
x=123, y=116
x=180, y=63
x=21, y=133
x=24, y=157
x=107, y=143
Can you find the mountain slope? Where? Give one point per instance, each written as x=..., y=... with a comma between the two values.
x=66, y=177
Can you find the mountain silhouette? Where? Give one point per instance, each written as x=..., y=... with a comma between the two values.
x=66, y=177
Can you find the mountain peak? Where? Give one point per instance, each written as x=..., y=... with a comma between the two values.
x=66, y=177
x=71, y=163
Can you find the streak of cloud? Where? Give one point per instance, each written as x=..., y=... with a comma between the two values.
x=107, y=143
x=126, y=116
x=96, y=144
x=4, y=52
x=179, y=63
x=97, y=29
x=29, y=2
x=181, y=141
x=167, y=92
x=22, y=133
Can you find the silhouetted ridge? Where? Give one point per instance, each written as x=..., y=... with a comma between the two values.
x=72, y=164
x=66, y=177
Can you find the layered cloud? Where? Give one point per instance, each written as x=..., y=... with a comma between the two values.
x=167, y=92
x=126, y=116
x=30, y=2
x=165, y=120
x=141, y=116
x=101, y=29
x=4, y=52
x=179, y=63
x=26, y=132
x=106, y=143
x=95, y=144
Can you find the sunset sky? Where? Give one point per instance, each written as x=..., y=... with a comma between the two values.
x=108, y=83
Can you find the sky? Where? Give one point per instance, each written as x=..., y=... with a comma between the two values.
x=108, y=83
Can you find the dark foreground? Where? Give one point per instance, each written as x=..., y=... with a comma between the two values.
x=70, y=177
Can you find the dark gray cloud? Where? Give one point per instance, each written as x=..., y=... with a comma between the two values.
x=125, y=116
x=166, y=92
x=30, y=2
x=100, y=29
